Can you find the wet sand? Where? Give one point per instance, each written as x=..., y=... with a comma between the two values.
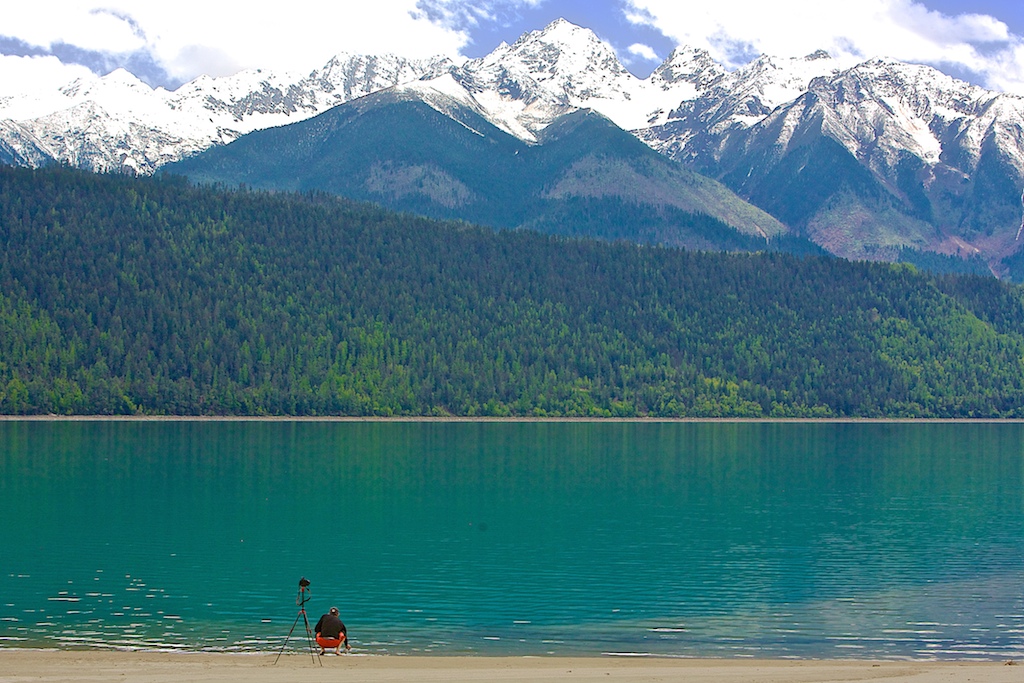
x=152, y=667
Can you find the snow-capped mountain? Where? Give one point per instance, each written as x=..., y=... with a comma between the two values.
x=944, y=160
x=889, y=144
x=117, y=122
x=882, y=109
x=545, y=74
x=725, y=104
x=688, y=104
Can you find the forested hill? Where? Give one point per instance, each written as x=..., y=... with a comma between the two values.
x=122, y=295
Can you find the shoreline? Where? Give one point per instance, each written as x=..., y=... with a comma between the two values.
x=154, y=667
x=510, y=420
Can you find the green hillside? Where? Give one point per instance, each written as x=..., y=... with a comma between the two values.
x=122, y=295
x=405, y=155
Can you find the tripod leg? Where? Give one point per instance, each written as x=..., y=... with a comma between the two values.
x=309, y=639
x=288, y=637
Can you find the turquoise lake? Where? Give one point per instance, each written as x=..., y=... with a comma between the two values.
x=848, y=540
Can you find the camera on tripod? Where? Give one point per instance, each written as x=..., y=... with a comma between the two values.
x=303, y=597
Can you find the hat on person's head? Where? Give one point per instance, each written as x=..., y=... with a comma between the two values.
x=334, y=611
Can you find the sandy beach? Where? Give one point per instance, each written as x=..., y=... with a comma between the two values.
x=150, y=667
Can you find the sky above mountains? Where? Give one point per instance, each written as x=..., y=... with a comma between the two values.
x=50, y=42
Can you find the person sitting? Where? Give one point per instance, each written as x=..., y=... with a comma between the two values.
x=331, y=633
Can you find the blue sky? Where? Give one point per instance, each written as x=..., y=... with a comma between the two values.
x=49, y=42
x=606, y=19
x=609, y=21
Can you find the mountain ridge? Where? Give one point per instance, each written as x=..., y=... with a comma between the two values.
x=945, y=160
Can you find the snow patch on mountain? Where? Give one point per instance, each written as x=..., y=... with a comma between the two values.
x=445, y=95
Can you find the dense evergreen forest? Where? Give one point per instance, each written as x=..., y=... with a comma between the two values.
x=121, y=295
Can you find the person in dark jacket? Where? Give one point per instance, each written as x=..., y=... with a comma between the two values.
x=331, y=633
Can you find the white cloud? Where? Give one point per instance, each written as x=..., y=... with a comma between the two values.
x=642, y=51
x=463, y=14
x=1008, y=71
x=736, y=30
x=28, y=75
x=85, y=25
x=25, y=74
x=190, y=37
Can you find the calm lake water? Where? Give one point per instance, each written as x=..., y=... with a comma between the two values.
x=675, y=539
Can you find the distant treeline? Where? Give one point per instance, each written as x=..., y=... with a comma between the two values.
x=122, y=295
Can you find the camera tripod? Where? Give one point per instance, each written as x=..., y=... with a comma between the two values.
x=301, y=599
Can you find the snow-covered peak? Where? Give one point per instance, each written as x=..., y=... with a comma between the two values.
x=116, y=85
x=890, y=88
x=882, y=110
x=231, y=88
x=729, y=101
x=122, y=78
x=560, y=33
x=688, y=64
x=546, y=73
x=776, y=80
x=563, y=59
x=925, y=88
x=353, y=76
